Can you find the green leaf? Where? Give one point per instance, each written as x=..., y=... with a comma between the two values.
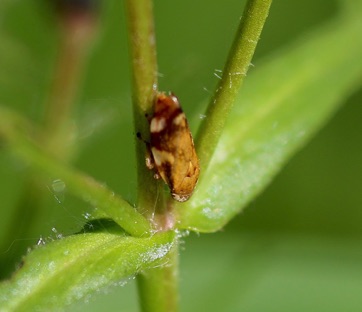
x=283, y=103
x=61, y=272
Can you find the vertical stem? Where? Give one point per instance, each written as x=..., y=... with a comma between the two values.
x=76, y=35
x=236, y=67
x=158, y=287
x=144, y=70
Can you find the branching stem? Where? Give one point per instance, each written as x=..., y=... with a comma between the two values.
x=232, y=77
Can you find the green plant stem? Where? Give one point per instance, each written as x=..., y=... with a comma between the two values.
x=158, y=287
x=13, y=129
x=76, y=36
x=235, y=70
x=144, y=72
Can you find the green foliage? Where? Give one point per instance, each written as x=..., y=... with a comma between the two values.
x=80, y=185
x=284, y=102
x=72, y=268
x=286, y=99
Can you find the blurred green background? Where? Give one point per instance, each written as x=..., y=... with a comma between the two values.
x=298, y=247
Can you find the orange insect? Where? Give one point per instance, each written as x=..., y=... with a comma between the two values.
x=172, y=148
